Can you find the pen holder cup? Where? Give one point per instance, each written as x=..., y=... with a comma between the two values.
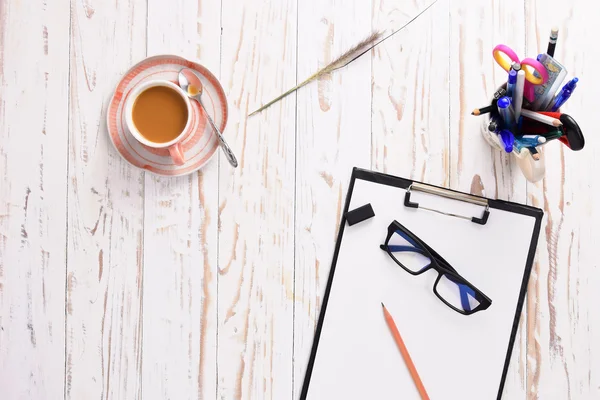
x=533, y=170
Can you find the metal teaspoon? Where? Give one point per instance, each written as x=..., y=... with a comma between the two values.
x=190, y=82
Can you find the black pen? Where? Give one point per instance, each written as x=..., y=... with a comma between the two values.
x=552, y=41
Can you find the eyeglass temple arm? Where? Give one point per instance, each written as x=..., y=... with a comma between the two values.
x=464, y=292
x=481, y=298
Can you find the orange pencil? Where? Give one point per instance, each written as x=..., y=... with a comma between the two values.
x=411, y=367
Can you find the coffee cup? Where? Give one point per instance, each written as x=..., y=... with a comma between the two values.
x=158, y=114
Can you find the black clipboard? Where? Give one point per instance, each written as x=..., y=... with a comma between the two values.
x=490, y=205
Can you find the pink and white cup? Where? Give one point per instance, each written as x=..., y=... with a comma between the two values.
x=173, y=146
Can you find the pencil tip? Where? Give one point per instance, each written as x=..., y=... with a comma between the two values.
x=382, y=304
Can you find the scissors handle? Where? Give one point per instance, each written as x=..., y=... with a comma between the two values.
x=505, y=56
x=535, y=65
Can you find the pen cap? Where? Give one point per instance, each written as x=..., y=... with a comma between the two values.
x=504, y=102
x=512, y=77
x=508, y=140
x=572, y=84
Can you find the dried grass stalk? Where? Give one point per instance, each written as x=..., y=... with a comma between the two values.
x=355, y=52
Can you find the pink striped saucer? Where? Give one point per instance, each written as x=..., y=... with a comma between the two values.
x=201, y=142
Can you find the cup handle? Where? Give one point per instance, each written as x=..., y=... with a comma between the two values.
x=176, y=154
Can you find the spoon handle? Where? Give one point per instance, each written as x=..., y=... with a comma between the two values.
x=226, y=149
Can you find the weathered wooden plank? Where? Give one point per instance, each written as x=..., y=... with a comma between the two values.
x=334, y=135
x=410, y=92
x=105, y=210
x=475, y=29
x=563, y=352
x=180, y=236
x=34, y=71
x=256, y=203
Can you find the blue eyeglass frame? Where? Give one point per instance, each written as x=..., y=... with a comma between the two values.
x=439, y=264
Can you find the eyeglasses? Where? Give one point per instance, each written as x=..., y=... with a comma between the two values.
x=416, y=257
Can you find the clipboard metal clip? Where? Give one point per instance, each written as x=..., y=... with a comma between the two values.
x=450, y=195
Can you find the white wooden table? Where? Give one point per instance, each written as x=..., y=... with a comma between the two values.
x=117, y=284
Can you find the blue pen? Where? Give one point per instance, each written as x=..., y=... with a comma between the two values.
x=506, y=112
x=528, y=141
x=535, y=139
x=507, y=139
x=564, y=94
x=512, y=82
x=520, y=145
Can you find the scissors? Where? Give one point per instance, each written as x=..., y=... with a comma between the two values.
x=535, y=72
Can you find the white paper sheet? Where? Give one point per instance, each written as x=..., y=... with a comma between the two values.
x=457, y=356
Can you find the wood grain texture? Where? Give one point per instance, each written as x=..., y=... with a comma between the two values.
x=256, y=203
x=475, y=29
x=410, y=92
x=105, y=211
x=333, y=136
x=116, y=284
x=180, y=233
x=563, y=328
x=33, y=194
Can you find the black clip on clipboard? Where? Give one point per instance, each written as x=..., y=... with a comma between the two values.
x=416, y=186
